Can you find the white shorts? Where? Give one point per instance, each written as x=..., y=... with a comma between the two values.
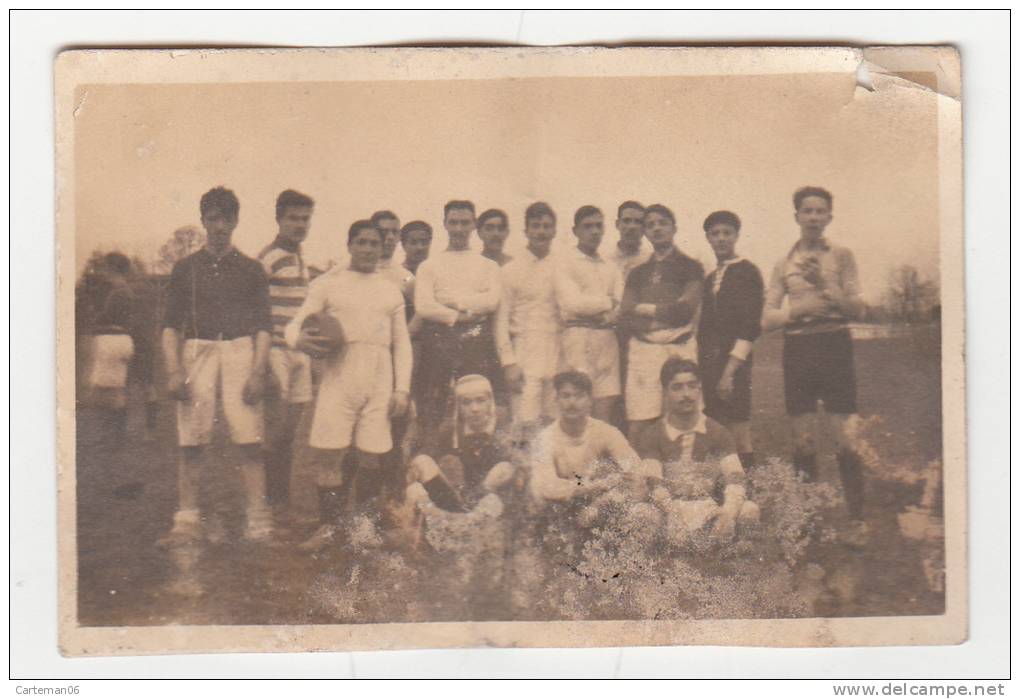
x=354, y=400
x=111, y=355
x=218, y=364
x=538, y=356
x=293, y=371
x=644, y=364
x=596, y=352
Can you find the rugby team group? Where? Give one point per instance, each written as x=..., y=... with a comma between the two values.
x=453, y=379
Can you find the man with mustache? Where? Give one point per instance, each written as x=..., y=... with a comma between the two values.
x=689, y=458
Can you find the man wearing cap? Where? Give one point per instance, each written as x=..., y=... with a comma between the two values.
x=659, y=310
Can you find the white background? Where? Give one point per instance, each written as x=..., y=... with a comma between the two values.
x=983, y=39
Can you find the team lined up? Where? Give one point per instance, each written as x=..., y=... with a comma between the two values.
x=553, y=347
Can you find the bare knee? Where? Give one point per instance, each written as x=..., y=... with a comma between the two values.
x=422, y=469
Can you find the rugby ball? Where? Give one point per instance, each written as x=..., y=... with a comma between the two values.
x=330, y=331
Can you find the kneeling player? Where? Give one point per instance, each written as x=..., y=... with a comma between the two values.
x=364, y=384
x=469, y=461
x=692, y=456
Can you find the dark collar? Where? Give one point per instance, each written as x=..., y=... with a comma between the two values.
x=823, y=245
x=228, y=255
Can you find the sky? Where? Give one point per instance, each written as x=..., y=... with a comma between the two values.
x=144, y=154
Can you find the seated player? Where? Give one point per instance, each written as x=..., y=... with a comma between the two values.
x=469, y=460
x=363, y=386
x=690, y=456
x=578, y=457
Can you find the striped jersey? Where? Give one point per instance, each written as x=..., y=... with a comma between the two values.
x=288, y=285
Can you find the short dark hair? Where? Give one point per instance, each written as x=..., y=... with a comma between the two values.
x=629, y=204
x=538, y=210
x=493, y=213
x=677, y=365
x=413, y=226
x=662, y=210
x=384, y=215
x=584, y=212
x=577, y=379
x=458, y=204
x=359, y=226
x=804, y=192
x=117, y=262
x=289, y=198
x=220, y=198
x=717, y=217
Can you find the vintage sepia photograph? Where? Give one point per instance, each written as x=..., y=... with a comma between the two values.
x=410, y=348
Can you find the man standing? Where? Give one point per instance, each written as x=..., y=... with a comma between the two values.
x=659, y=309
x=416, y=239
x=387, y=223
x=218, y=303
x=493, y=228
x=291, y=370
x=527, y=322
x=630, y=250
x=820, y=279
x=456, y=295
x=363, y=386
x=588, y=293
x=730, y=322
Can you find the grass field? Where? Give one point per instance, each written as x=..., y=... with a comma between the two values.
x=126, y=498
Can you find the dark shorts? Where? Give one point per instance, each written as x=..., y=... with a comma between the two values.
x=738, y=407
x=819, y=366
x=447, y=353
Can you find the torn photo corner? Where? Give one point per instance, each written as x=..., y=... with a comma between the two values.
x=366, y=349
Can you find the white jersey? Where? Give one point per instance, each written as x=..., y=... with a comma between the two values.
x=371, y=310
x=528, y=318
x=586, y=286
x=560, y=461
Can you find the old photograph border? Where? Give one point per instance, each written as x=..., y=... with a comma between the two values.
x=889, y=65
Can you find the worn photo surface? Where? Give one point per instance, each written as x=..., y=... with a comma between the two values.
x=392, y=348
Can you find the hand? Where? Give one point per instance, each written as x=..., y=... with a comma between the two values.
x=811, y=270
x=724, y=389
x=812, y=306
x=398, y=403
x=254, y=387
x=834, y=298
x=514, y=376
x=725, y=527
x=177, y=387
x=312, y=343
